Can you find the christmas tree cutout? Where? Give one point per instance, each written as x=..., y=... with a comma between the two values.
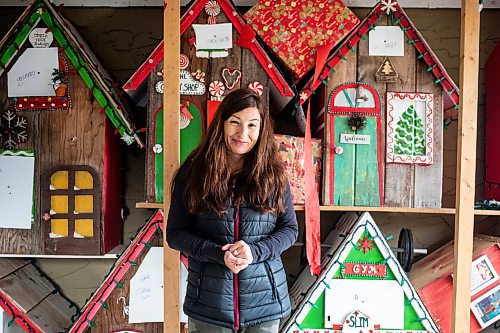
x=409, y=137
x=362, y=287
x=386, y=73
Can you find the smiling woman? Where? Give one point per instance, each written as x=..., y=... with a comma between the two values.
x=233, y=220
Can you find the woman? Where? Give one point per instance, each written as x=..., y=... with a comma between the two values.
x=231, y=212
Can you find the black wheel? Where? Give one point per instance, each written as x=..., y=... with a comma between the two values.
x=405, y=244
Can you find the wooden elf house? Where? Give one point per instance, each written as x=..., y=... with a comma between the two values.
x=382, y=95
x=432, y=277
x=362, y=287
x=208, y=71
x=61, y=120
x=110, y=308
x=29, y=302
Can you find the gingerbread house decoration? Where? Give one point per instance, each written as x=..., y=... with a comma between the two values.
x=29, y=302
x=433, y=276
x=380, y=100
x=210, y=69
x=116, y=305
x=61, y=120
x=362, y=287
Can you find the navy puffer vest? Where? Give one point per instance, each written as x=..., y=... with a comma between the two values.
x=258, y=294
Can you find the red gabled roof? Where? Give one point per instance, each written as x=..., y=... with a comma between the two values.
x=243, y=29
x=415, y=38
x=122, y=265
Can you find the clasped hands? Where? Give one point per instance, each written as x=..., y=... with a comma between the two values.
x=237, y=256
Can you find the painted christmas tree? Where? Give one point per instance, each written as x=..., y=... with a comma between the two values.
x=410, y=134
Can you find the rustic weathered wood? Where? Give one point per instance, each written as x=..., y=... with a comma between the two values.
x=466, y=163
x=399, y=178
x=428, y=184
x=11, y=265
x=171, y=269
x=113, y=319
x=26, y=287
x=345, y=71
x=53, y=314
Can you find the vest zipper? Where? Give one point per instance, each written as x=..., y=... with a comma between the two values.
x=235, y=276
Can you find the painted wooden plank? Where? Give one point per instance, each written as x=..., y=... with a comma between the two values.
x=26, y=287
x=399, y=178
x=345, y=71
x=8, y=266
x=171, y=117
x=53, y=314
x=252, y=71
x=345, y=165
x=367, y=168
x=466, y=159
x=428, y=187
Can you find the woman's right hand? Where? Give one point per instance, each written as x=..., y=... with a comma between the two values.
x=235, y=264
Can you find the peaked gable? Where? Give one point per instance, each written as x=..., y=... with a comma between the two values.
x=126, y=262
x=359, y=256
x=79, y=53
x=248, y=39
x=387, y=7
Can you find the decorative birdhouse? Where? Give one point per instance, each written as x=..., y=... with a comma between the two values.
x=210, y=68
x=61, y=120
x=385, y=93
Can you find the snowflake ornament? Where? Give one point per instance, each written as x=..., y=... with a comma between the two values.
x=12, y=130
x=389, y=6
x=129, y=139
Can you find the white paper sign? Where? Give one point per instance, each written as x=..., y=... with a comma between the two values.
x=357, y=139
x=146, y=289
x=41, y=37
x=189, y=86
x=31, y=75
x=386, y=41
x=213, y=36
x=16, y=191
x=367, y=296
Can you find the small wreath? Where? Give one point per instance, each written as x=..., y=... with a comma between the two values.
x=357, y=122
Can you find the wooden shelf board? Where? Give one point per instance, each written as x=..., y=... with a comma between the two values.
x=443, y=211
x=147, y=205
x=113, y=254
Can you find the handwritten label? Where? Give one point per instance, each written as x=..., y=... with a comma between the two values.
x=357, y=139
x=41, y=37
x=189, y=86
x=213, y=36
x=386, y=41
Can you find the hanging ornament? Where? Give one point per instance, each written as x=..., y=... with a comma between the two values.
x=129, y=139
x=183, y=61
x=388, y=6
x=357, y=122
x=159, y=87
x=157, y=148
x=216, y=89
x=212, y=20
x=212, y=8
x=386, y=73
x=257, y=87
x=231, y=77
x=12, y=130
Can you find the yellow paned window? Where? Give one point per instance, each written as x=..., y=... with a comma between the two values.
x=84, y=180
x=58, y=228
x=59, y=204
x=59, y=180
x=84, y=204
x=84, y=227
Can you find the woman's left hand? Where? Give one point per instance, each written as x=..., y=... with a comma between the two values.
x=240, y=249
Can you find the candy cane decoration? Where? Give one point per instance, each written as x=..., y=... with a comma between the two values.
x=212, y=8
x=184, y=61
x=257, y=87
x=216, y=88
x=212, y=20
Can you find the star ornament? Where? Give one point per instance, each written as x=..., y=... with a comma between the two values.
x=365, y=244
x=389, y=6
x=303, y=96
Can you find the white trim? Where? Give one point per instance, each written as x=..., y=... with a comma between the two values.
x=159, y=3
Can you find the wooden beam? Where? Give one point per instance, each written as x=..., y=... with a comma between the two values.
x=171, y=150
x=466, y=165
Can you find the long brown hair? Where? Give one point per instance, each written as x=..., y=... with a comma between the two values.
x=261, y=182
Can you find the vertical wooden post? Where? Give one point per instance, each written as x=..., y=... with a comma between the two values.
x=466, y=165
x=171, y=142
